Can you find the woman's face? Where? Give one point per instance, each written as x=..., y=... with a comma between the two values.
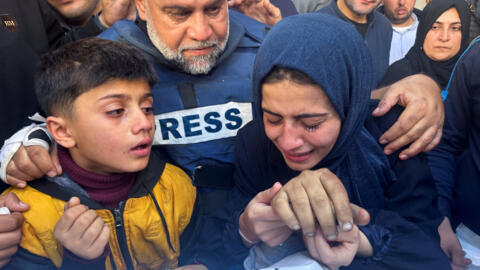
x=301, y=122
x=444, y=38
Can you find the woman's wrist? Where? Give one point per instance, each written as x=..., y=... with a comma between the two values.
x=364, y=247
x=249, y=238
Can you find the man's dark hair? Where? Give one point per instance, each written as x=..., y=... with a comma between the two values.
x=278, y=74
x=69, y=71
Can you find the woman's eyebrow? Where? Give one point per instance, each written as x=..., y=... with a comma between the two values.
x=270, y=112
x=310, y=115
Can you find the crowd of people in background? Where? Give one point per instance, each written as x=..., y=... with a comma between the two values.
x=239, y=134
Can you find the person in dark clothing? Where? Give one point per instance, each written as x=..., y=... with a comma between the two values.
x=442, y=36
x=455, y=162
x=315, y=102
x=27, y=30
x=375, y=29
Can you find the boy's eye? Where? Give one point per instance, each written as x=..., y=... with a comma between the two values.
x=435, y=27
x=148, y=110
x=115, y=112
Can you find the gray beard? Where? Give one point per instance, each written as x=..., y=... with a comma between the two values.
x=201, y=64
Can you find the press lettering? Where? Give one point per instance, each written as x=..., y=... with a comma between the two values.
x=169, y=125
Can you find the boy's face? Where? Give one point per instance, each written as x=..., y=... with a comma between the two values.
x=111, y=127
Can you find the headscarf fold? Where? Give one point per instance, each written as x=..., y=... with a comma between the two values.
x=419, y=61
x=335, y=56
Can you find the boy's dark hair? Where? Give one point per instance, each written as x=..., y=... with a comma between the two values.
x=66, y=73
x=278, y=74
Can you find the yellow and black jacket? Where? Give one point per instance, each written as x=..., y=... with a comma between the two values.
x=145, y=229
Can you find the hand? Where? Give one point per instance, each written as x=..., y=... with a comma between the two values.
x=192, y=267
x=260, y=222
x=451, y=246
x=260, y=10
x=30, y=163
x=116, y=10
x=340, y=254
x=317, y=194
x=81, y=231
x=422, y=120
x=10, y=226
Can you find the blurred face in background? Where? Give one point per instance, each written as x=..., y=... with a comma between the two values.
x=444, y=39
x=399, y=11
x=76, y=12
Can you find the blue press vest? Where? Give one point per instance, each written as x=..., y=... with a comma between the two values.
x=198, y=116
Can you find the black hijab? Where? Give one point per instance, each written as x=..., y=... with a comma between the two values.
x=419, y=61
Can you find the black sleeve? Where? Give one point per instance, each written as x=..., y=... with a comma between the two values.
x=59, y=33
x=23, y=259
x=412, y=194
x=395, y=72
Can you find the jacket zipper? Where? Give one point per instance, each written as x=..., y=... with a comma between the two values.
x=121, y=235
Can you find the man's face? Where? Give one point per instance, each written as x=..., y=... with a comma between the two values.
x=191, y=33
x=75, y=10
x=361, y=7
x=398, y=11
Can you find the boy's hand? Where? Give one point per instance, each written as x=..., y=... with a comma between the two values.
x=81, y=231
x=32, y=162
x=10, y=226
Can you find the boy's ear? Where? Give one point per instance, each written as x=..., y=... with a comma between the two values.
x=141, y=9
x=58, y=128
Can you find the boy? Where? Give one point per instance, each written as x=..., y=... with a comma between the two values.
x=116, y=206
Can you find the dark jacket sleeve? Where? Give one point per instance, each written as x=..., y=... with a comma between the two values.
x=23, y=259
x=59, y=32
x=459, y=120
x=403, y=245
x=396, y=71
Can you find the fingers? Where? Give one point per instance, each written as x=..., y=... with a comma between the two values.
x=94, y=231
x=436, y=140
x=71, y=203
x=42, y=160
x=10, y=239
x=281, y=205
x=361, y=217
x=266, y=196
x=388, y=100
x=55, y=160
x=300, y=203
x=458, y=259
x=401, y=133
x=11, y=201
x=420, y=144
x=277, y=236
x=29, y=163
x=7, y=253
x=10, y=223
x=339, y=198
x=68, y=218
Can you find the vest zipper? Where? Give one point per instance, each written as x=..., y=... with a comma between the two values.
x=121, y=235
